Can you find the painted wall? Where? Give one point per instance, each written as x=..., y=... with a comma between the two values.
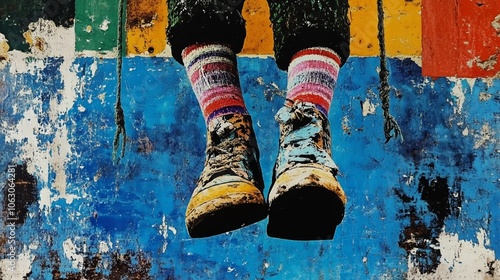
x=423, y=208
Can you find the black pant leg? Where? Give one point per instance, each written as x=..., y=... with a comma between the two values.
x=300, y=24
x=205, y=21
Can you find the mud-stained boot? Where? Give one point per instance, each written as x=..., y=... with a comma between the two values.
x=228, y=194
x=306, y=202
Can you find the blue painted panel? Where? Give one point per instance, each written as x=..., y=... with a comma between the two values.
x=439, y=179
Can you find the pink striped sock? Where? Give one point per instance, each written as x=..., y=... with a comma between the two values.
x=312, y=75
x=212, y=70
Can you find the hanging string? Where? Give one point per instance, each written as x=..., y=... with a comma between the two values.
x=390, y=123
x=119, y=116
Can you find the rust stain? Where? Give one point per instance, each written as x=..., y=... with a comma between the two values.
x=140, y=14
x=419, y=242
x=145, y=146
x=4, y=48
x=52, y=262
x=40, y=44
x=3, y=248
x=135, y=266
x=345, y=125
x=484, y=96
x=146, y=24
x=419, y=238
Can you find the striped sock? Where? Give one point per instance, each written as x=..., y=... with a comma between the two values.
x=214, y=77
x=312, y=75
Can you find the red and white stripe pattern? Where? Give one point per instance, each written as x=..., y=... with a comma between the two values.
x=312, y=75
x=213, y=73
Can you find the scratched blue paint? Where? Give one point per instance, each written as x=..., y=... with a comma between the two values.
x=165, y=152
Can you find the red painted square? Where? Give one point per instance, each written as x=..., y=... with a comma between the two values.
x=461, y=38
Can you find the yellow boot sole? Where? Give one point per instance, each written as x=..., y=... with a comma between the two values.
x=306, y=203
x=225, y=206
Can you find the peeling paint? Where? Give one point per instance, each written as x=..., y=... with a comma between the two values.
x=496, y=25
x=48, y=40
x=465, y=132
x=73, y=254
x=368, y=107
x=458, y=93
x=104, y=25
x=484, y=137
x=146, y=23
x=462, y=259
x=45, y=201
x=163, y=231
x=419, y=237
x=472, y=41
x=54, y=156
x=134, y=266
x=345, y=125
x=4, y=48
x=22, y=266
x=25, y=132
x=103, y=247
x=484, y=96
x=90, y=16
x=487, y=64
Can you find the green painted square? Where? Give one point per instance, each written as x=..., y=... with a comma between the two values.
x=96, y=24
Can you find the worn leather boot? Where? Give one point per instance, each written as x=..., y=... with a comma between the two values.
x=306, y=202
x=228, y=194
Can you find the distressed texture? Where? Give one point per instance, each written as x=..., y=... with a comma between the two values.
x=402, y=25
x=468, y=31
x=306, y=201
x=16, y=16
x=146, y=24
x=440, y=184
x=420, y=237
x=228, y=194
x=96, y=25
x=425, y=208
